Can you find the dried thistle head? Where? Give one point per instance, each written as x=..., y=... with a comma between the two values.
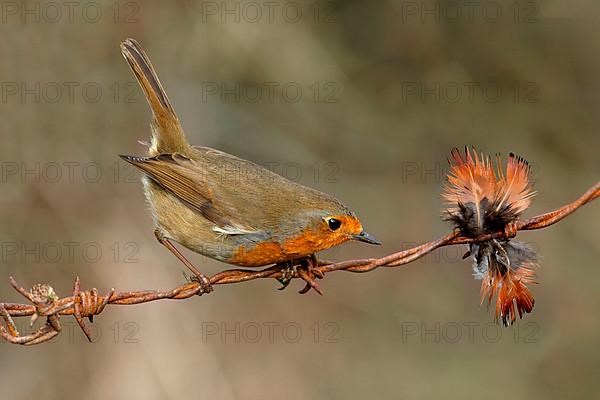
x=483, y=200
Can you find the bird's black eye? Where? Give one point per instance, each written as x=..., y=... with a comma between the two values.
x=334, y=224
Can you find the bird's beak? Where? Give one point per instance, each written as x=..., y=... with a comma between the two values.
x=365, y=237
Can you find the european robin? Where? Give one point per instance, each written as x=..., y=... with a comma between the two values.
x=225, y=207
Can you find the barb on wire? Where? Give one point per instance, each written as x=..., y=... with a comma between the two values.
x=86, y=304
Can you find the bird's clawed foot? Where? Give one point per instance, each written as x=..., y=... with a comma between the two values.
x=309, y=274
x=305, y=268
x=205, y=285
x=287, y=274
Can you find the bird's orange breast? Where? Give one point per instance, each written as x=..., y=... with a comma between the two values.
x=306, y=243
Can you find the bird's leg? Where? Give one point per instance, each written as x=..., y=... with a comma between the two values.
x=287, y=274
x=308, y=272
x=198, y=276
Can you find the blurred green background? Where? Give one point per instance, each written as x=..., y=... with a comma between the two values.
x=363, y=100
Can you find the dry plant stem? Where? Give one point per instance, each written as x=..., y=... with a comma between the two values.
x=86, y=304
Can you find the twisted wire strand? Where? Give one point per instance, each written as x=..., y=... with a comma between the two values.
x=87, y=304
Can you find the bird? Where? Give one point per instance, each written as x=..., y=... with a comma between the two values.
x=225, y=207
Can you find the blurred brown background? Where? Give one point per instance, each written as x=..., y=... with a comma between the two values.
x=362, y=100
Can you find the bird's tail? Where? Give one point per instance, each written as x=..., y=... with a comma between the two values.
x=167, y=134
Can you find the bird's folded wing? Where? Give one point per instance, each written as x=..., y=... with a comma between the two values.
x=181, y=177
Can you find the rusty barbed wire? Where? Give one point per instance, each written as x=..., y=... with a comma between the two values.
x=87, y=304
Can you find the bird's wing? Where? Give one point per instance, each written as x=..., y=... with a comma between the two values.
x=186, y=180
